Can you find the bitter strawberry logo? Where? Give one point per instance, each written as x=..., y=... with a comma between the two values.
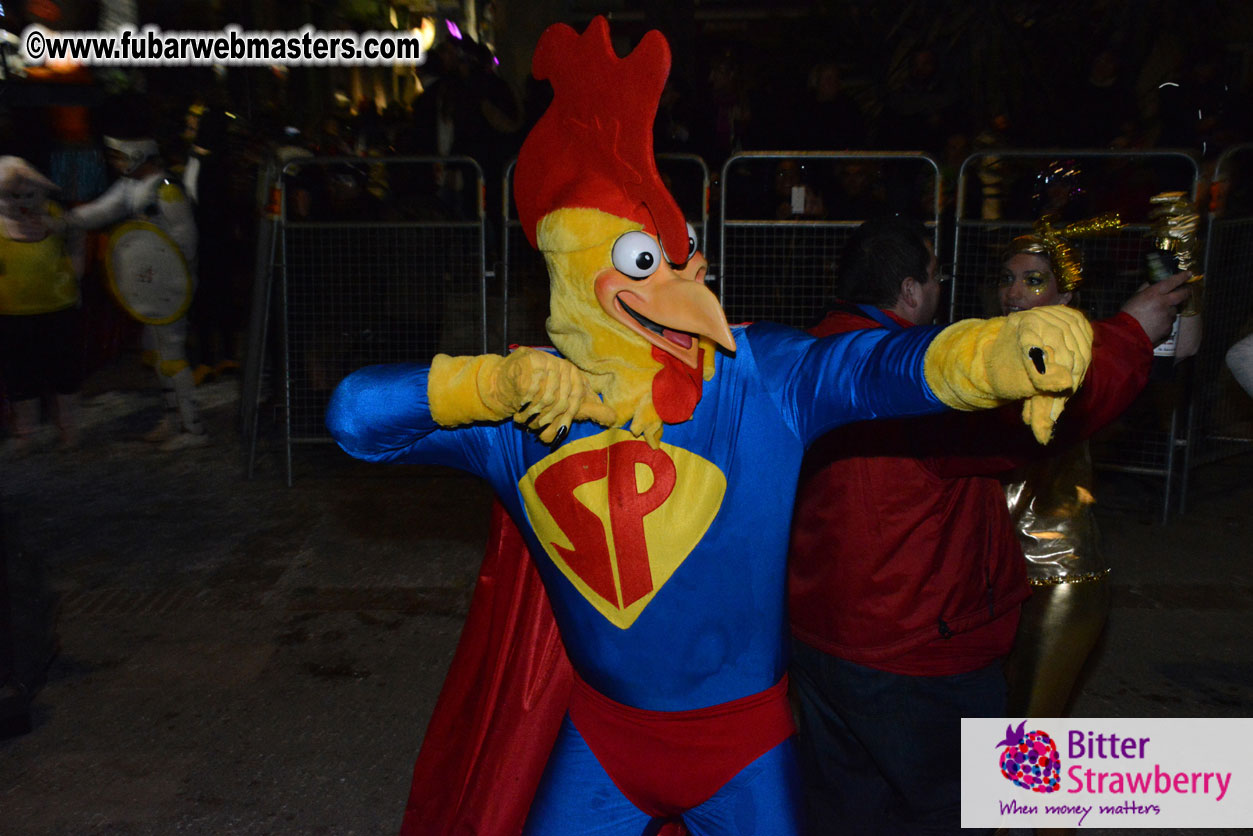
x=1030, y=759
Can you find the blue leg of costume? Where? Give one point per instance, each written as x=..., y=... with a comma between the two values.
x=577, y=796
x=763, y=799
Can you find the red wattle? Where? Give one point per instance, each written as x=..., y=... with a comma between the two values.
x=677, y=387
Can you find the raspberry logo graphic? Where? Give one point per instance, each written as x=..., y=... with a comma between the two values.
x=1030, y=759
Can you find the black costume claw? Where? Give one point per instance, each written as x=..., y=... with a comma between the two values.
x=1037, y=357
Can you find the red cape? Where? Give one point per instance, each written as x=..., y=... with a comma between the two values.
x=501, y=705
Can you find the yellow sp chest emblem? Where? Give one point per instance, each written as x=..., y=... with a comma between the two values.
x=618, y=517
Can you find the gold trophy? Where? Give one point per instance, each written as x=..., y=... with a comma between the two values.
x=1173, y=233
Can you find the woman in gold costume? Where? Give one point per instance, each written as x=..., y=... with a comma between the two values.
x=1051, y=500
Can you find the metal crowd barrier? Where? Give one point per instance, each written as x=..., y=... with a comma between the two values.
x=525, y=278
x=377, y=260
x=998, y=198
x=1222, y=412
x=382, y=260
x=784, y=217
x=254, y=368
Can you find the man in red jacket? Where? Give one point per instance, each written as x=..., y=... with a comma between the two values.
x=905, y=574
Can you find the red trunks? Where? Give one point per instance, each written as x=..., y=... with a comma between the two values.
x=667, y=762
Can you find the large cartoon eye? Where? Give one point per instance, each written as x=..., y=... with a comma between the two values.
x=636, y=254
x=692, y=245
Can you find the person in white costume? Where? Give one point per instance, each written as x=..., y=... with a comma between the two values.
x=1240, y=361
x=144, y=191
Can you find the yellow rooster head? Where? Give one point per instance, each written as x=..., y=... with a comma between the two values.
x=629, y=302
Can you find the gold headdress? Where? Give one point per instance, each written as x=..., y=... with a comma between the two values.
x=1054, y=244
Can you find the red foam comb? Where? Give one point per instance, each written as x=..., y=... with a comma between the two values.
x=593, y=147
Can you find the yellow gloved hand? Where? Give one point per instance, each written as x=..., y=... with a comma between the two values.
x=1040, y=354
x=540, y=390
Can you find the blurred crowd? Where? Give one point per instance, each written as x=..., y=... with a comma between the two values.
x=228, y=154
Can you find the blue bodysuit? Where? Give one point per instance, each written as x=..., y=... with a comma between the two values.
x=665, y=568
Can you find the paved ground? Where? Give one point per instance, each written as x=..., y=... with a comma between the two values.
x=238, y=657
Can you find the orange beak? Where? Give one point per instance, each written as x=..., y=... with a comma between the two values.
x=671, y=309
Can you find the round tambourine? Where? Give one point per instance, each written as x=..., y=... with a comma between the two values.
x=147, y=273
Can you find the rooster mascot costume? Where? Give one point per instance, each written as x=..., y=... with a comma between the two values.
x=650, y=468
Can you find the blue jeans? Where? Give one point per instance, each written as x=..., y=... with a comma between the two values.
x=879, y=752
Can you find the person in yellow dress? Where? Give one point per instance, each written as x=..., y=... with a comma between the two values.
x=40, y=317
